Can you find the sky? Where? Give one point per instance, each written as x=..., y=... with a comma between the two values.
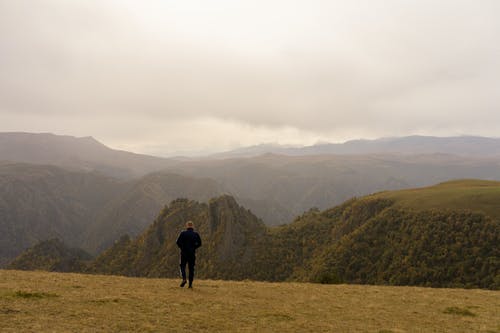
x=167, y=77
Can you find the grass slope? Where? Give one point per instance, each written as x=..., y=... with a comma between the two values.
x=56, y=302
x=474, y=195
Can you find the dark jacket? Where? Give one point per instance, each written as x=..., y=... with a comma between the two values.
x=188, y=241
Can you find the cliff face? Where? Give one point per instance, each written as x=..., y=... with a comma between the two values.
x=232, y=229
x=230, y=234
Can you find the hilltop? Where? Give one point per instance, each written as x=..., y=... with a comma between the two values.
x=472, y=194
x=56, y=302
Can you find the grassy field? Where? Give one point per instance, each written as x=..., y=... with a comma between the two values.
x=63, y=302
x=475, y=195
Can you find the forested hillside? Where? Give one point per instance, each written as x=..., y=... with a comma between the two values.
x=52, y=255
x=84, y=209
x=43, y=202
x=375, y=240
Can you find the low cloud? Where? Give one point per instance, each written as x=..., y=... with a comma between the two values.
x=135, y=74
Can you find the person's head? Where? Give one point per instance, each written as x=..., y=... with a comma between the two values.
x=189, y=225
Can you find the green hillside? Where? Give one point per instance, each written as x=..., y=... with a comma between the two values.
x=426, y=248
x=445, y=235
x=474, y=195
x=56, y=302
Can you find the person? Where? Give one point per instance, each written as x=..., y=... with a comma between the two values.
x=188, y=241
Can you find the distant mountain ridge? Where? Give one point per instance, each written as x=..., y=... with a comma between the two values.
x=82, y=154
x=416, y=144
x=86, y=153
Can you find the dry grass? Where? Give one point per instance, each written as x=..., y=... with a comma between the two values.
x=55, y=302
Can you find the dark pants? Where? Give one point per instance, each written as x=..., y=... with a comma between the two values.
x=189, y=259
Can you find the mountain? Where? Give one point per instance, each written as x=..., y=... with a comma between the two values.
x=51, y=255
x=229, y=231
x=91, y=209
x=291, y=185
x=79, y=154
x=43, y=202
x=260, y=149
x=378, y=239
x=84, y=209
x=446, y=235
x=275, y=187
x=410, y=145
x=133, y=210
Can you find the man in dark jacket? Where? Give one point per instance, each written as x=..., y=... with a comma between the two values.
x=188, y=241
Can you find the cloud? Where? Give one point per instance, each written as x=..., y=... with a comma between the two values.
x=300, y=70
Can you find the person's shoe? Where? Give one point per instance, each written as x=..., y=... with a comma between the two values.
x=190, y=286
x=183, y=283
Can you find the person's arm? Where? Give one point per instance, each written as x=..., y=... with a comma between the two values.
x=197, y=244
x=179, y=241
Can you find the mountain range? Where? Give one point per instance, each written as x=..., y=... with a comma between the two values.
x=88, y=195
x=78, y=154
x=416, y=144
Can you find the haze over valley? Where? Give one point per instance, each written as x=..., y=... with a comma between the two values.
x=89, y=195
x=353, y=144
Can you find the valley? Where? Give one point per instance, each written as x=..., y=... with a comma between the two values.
x=269, y=217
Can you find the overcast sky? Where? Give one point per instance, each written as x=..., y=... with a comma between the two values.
x=165, y=76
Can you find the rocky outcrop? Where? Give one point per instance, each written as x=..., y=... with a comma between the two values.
x=230, y=234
